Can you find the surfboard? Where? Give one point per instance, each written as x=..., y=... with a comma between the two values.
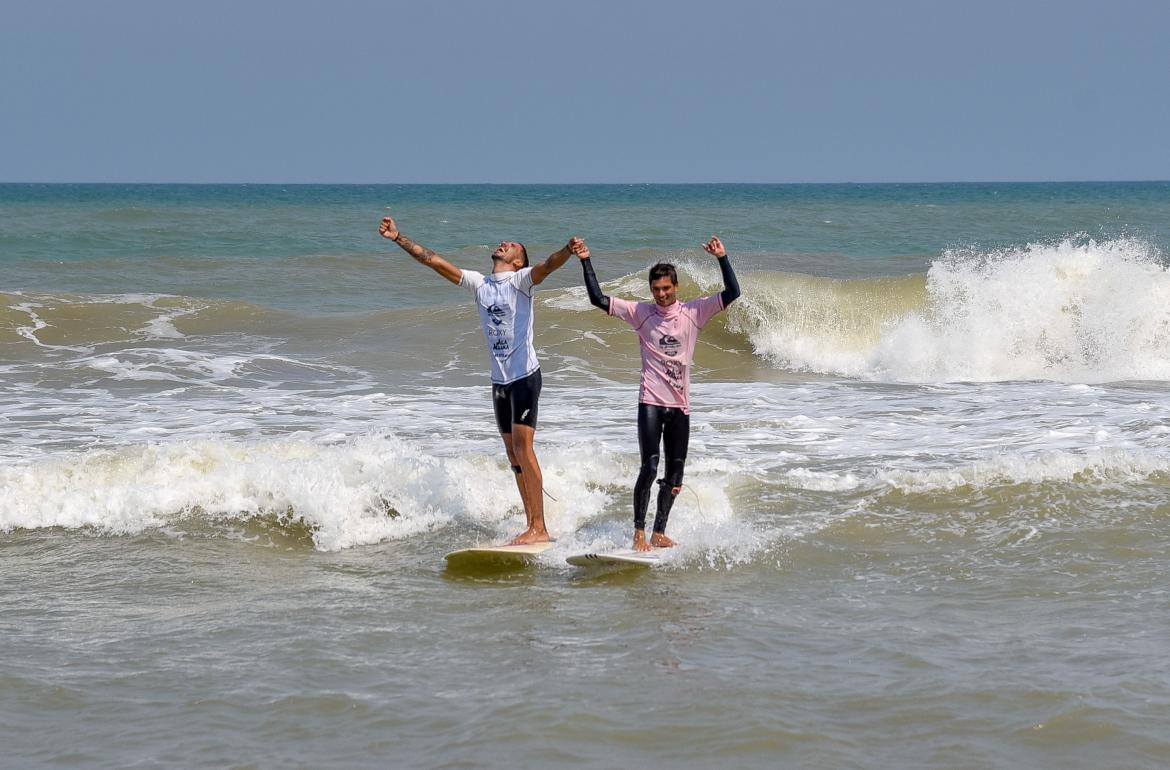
x=512, y=555
x=616, y=558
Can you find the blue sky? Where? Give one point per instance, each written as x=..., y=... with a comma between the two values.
x=547, y=91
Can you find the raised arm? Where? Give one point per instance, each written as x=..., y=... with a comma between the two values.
x=421, y=253
x=545, y=268
x=591, y=286
x=730, y=285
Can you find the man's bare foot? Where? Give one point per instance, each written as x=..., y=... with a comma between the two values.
x=640, y=543
x=531, y=535
x=660, y=540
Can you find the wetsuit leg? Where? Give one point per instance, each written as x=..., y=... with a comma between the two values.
x=525, y=395
x=676, y=435
x=516, y=403
x=649, y=436
x=502, y=406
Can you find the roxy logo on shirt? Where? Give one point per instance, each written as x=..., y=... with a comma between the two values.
x=669, y=345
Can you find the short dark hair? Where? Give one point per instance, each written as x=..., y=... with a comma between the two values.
x=524, y=251
x=664, y=270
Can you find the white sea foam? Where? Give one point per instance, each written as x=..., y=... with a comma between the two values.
x=359, y=491
x=163, y=327
x=38, y=323
x=1092, y=465
x=703, y=520
x=167, y=457
x=1074, y=311
x=166, y=434
x=363, y=490
x=1112, y=464
x=632, y=285
x=195, y=367
x=160, y=327
x=572, y=298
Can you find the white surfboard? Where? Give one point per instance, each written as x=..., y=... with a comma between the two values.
x=617, y=558
x=517, y=555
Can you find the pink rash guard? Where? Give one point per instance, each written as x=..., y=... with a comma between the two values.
x=667, y=337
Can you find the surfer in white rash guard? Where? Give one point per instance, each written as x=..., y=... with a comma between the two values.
x=504, y=299
x=667, y=330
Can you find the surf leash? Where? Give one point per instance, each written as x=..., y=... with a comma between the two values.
x=697, y=503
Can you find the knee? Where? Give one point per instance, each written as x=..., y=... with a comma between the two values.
x=649, y=466
x=524, y=454
x=525, y=457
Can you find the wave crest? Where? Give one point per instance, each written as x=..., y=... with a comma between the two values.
x=1073, y=311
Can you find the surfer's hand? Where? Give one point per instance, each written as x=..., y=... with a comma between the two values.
x=578, y=247
x=715, y=247
x=388, y=229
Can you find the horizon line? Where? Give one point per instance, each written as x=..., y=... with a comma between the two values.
x=587, y=184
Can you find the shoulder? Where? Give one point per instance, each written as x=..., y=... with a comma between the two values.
x=624, y=307
x=700, y=310
x=523, y=280
x=700, y=304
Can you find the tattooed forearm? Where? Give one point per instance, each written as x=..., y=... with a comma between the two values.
x=419, y=252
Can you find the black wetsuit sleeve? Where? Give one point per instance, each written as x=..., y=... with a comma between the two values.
x=730, y=286
x=595, y=296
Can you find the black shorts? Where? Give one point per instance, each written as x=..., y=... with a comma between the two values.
x=516, y=402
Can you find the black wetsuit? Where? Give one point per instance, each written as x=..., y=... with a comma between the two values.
x=671, y=427
x=516, y=403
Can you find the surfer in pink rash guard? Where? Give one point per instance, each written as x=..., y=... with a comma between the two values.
x=667, y=331
x=504, y=299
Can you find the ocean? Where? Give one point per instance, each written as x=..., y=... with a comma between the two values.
x=925, y=520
